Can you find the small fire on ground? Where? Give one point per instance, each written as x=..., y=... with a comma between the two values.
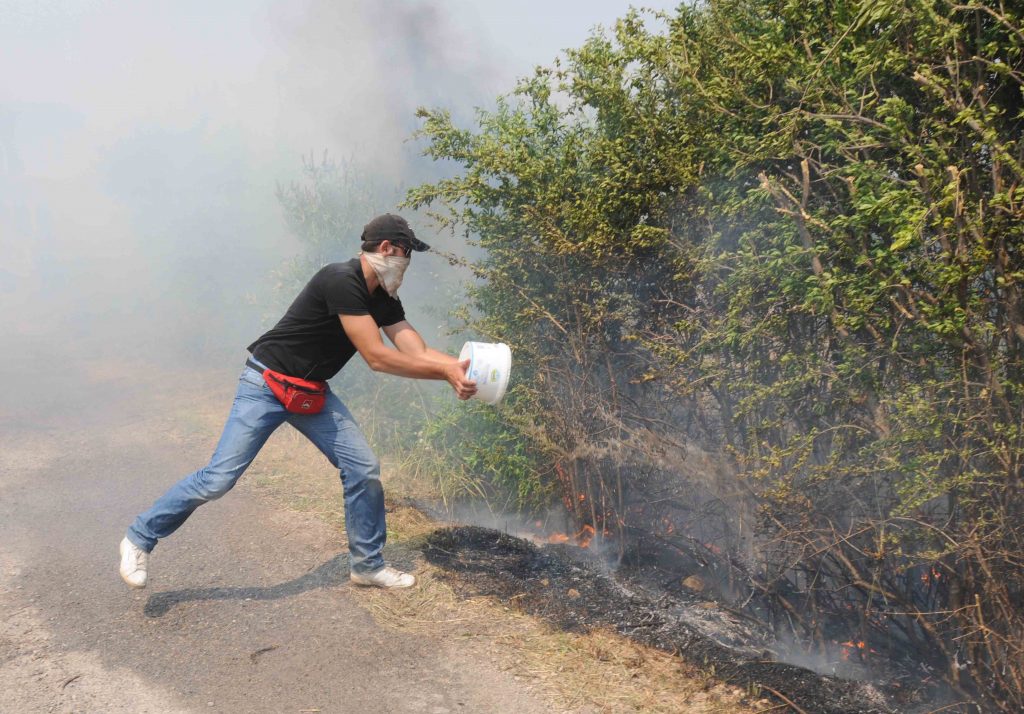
x=583, y=537
x=858, y=647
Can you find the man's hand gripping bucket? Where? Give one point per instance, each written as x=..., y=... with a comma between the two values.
x=489, y=366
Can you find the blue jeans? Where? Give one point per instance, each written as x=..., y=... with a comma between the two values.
x=255, y=414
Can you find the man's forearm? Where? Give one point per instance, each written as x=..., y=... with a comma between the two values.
x=440, y=356
x=409, y=342
x=420, y=366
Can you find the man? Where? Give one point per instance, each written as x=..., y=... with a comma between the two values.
x=339, y=312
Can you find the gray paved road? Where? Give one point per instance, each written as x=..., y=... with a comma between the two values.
x=249, y=609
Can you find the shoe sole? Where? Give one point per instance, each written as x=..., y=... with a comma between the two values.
x=132, y=585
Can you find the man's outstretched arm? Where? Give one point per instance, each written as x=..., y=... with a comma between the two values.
x=365, y=335
x=405, y=337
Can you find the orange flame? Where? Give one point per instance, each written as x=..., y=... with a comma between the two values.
x=585, y=535
x=849, y=647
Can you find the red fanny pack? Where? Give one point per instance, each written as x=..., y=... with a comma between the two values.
x=300, y=396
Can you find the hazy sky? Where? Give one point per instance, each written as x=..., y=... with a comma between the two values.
x=141, y=143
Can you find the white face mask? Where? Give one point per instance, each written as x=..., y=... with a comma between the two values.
x=389, y=270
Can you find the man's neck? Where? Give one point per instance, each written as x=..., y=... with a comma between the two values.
x=372, y=283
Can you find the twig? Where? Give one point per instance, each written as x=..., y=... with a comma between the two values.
x=262, y=650
x=68, y=681
x=944, y=708
x=784, y=698
x=770, y=709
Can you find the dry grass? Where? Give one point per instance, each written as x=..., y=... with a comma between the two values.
x=596, y=672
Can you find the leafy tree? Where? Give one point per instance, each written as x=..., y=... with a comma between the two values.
x=765, y=269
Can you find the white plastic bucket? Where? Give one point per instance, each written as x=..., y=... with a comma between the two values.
x=489, y=366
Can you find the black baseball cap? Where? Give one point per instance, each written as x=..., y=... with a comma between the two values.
x=390, y=227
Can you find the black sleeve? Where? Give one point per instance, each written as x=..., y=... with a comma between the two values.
x=395, y=313
x=344, y=295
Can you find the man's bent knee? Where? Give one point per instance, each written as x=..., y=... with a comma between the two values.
x=212, y=484
x=353, y=474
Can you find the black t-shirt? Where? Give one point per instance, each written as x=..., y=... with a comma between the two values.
x=309, y=342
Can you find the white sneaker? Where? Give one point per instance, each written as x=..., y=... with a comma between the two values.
x=134, y=561
x=386, y=577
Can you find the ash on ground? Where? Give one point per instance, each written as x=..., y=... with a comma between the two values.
x=575, y=592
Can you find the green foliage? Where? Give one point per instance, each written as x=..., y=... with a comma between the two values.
x=473, y=450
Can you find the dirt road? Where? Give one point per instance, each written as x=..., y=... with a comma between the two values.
x=249, y=608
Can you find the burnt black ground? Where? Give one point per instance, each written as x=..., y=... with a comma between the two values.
x=576, y=596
